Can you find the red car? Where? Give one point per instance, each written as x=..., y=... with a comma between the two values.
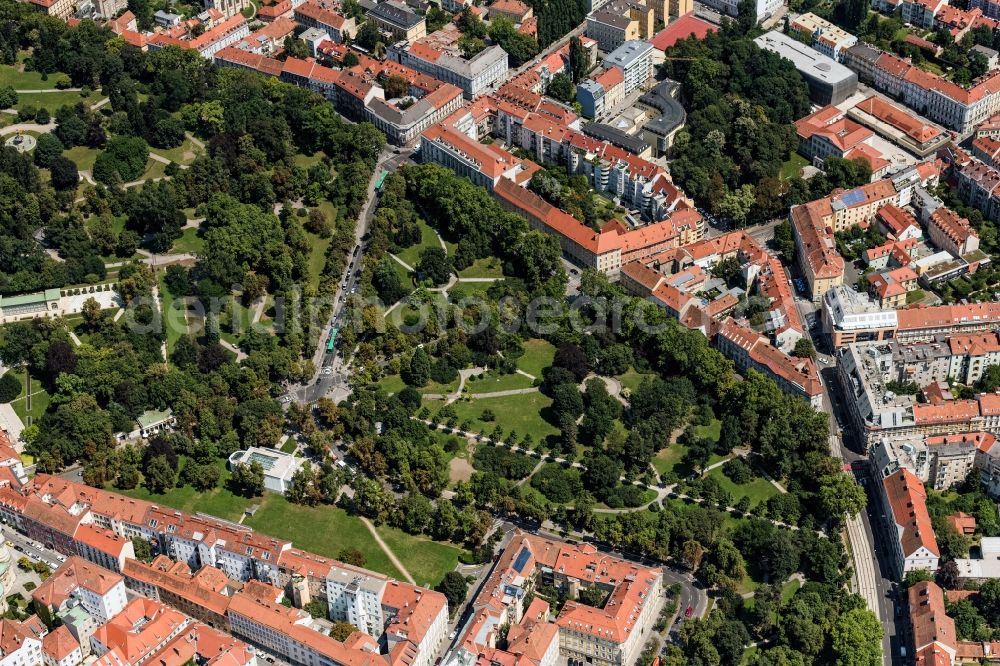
x=687, y=613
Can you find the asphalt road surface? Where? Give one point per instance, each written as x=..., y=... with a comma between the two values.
x=332, y=375
x=33, y=550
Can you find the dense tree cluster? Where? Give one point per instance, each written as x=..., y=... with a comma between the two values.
x=483, y=228
x=741, y=103
x=253, y=127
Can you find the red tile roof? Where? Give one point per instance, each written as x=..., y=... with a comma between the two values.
x=686, y=26
x=831, y=124
x=59, y=643
x=908, y=501
x=74, y=573
x=930, y=622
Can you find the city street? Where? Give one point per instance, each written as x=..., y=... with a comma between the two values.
x=34, y=551
x=872, y=575
x=334, y=382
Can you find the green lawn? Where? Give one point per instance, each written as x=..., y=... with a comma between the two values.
x=394, y=384
x=712, y=431
x=154, y=169
x=220, y=502
x=915, y=296
x=632, y=378
x=52, y=101
x=789, y=589
x=749, y=655
x=483, y=268
x=521, y=413
x=289, y=445
x=182, y=154
x=173, y=319
x=670, y=459
x=491, y=382
x=405, y=277
x=323, y=530
x=307, y=161
x=427, y=561
x=12, y=76
x=758, y=490
x=234, y=314
x=793, y=165
x=39, y=399
x=317, y=256
x=83, y=157
x=189, y=243
x=538, y=355
x=428, y=238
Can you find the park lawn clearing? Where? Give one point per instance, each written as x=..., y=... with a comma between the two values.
x=13, y=76
x=39, y=399
x=491, y=382
x=308, y=161
x=324, y=530
x=489, y=267
x=174, y=318
x=289, y=445
x=182, y=154
x=538, y=355
x=758, y=489
x=789, y=589
x=317, y=257
x=648, y=495
x=631, y=378
x=712, y=431
x=428, y=238
x=52, y=101
x=521, y=413
x=189, y=243
x=748, y=655
x=220, y=501
x=467, y=290
x=793, y=166
x=235, y=320
x=393, y=384
x=405, y=277
x=427, y=561
x=670, y=459
x=82, y=156
x=154, y=169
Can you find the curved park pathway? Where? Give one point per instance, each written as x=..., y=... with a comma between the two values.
x=662, y=492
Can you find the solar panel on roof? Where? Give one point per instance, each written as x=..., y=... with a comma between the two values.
x=853, y=197
x=521, y=559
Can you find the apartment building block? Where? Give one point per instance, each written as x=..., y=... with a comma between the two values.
x=475, y=76
x=814, y=223
x=930, y=95
x=913, y=545
x=620, y=21
x=99, y=591
x=335, y=25
x=398, y=20
x=608, y=636
x=635, y=60
x=826, y=38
